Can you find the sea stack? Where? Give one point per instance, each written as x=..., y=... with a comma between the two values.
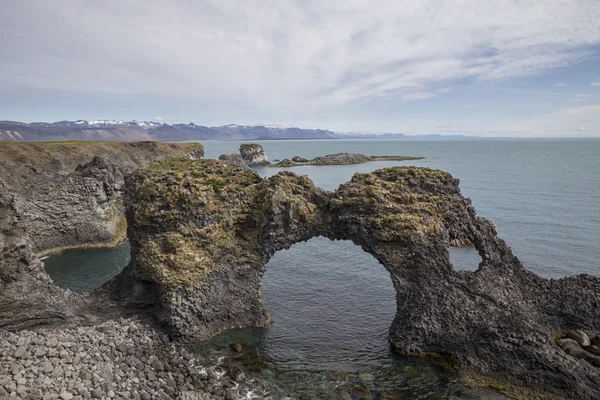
x=253, y=154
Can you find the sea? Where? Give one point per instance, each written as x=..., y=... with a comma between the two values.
x=332, y=303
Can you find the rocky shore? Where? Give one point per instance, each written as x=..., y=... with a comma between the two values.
x=201, y=232
x=339, y=159
x=119, y=359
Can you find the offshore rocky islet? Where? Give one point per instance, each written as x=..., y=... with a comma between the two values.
x=424, y=212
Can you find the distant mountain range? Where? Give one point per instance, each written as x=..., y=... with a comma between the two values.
x=119, y=130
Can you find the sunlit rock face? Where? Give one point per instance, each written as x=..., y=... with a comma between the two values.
x=202, y=231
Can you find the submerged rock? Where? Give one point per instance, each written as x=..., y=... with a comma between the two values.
x=253, y=154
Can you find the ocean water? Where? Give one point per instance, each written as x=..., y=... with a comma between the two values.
x=332, y=303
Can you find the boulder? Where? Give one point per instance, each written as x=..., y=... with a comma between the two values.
x=580, y=337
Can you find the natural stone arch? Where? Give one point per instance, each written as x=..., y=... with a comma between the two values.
x=201, y=233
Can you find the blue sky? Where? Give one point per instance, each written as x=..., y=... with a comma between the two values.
x=503, y=68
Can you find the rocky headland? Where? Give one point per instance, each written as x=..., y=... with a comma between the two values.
x=201, y=232
x=69, y=193
x=339, y=159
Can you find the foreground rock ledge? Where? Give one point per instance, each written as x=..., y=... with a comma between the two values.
x=202, y=231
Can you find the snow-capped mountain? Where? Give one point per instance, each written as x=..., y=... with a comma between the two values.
x=121, y=130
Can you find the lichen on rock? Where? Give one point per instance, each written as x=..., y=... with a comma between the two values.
x=202, y=231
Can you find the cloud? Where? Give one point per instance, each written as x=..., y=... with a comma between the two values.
x=472, y=106
x=582, y=97
x=584, y=120
x=159, y=118
x=560, y=84
x=284, y=55
x=597, y=83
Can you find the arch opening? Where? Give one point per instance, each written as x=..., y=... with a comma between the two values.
x=86, y=270
x=331, y=304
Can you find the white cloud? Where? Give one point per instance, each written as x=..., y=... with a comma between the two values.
x=560, y=84
x=254, y=55
x=582, y=97
x=159, y=118
x=472, y=106
x=597, y=83
x=561, y=123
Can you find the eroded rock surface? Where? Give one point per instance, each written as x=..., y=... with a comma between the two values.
x=27, y=295
x=233, y=159
x=201, y=233
x=339, y=159
x=253, y=154
x=69, y=193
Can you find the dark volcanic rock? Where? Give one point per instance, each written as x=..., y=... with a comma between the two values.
x=69, y=194
x=339, y=159
x=201, y=233
x=253, y=154
x=233, y=159
x=27, y=295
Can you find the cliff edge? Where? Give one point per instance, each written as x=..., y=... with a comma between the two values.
x=69, y=193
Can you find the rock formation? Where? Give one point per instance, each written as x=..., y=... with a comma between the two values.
x=69, y=193
x=233, y=159
x=253, y=154
x=339, y=159
x=202, y=231
x=27, y=295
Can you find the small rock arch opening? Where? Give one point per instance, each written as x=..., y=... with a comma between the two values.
x=464, y=256
x=86, y=270
x=329, y=301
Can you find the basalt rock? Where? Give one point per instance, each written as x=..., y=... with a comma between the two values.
x=27, y=295
x=233, y=159
x=69, y=193
x=253, y=154
x=201, y=233
x=339, y=159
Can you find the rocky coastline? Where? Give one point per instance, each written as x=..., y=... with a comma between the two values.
x=201, y=232
x=69, y=193
x=117, y=359
x=339, y=159
x=253, y=154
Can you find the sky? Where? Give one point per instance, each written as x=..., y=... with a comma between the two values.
x=478, y=67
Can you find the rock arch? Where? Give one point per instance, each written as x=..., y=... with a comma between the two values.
x=202, y=231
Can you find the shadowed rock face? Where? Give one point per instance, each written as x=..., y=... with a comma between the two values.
x=201, y=233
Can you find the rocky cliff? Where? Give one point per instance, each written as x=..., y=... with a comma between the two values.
x=202, y=231
x=69, y=193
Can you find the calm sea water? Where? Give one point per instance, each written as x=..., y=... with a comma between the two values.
x=332, y=303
